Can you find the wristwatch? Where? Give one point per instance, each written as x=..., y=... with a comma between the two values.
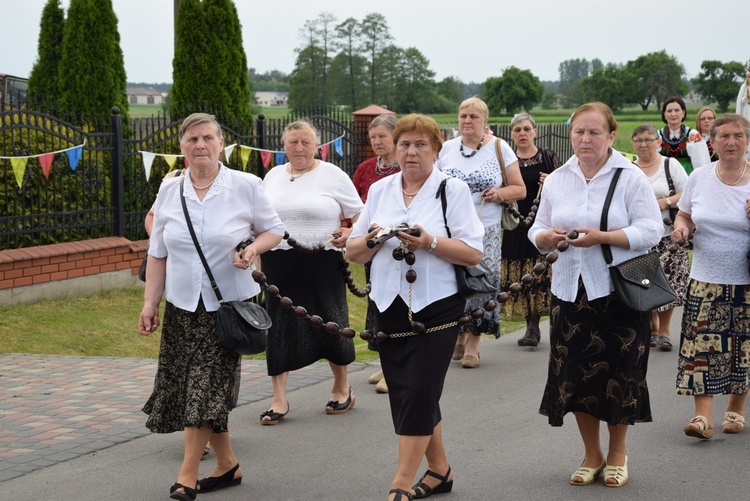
x=433, y=244
x=669, y=202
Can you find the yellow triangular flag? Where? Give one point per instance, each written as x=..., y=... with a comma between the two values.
x=19, y=168
x=245, y=154
x=171, y=159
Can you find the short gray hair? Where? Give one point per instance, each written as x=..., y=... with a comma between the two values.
x=521, y=117
x=386, y=120
x=730, y=118
x=301, y=125
x=196, y=119
x=645, y=128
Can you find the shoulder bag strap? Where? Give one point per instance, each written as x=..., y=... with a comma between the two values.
x=547, y=161
x=501, y=161
x=605, y=210
x=444, y=202
x=669, y=177
x=214, y=286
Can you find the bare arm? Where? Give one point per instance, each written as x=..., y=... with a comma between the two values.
x=451, y=249
x=155, y=278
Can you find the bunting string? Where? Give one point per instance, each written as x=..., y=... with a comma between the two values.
x=18, y=163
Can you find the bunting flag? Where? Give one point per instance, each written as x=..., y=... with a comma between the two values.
x=74, y=156
x=148, y=160
x=228, y=151
x=171, y=159
x=19, y=168
x=337, y=146
x=265, y=157
x=324, y=152
x=280, y=157
x=46, y=162
x=245, y=155
x=19, y=163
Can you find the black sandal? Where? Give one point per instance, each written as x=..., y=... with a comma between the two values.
x=422, y=490
x=210, y=484
x=400, y=493
x=188, y=495
x=275, y=416
x=334, y=407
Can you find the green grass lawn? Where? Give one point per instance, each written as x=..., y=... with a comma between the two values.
x=106, y=325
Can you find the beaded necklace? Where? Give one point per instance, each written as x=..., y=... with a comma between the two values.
x=461, y=148
x=385, y=170
x=673, y=145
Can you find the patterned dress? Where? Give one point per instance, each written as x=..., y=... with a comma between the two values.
x=519, y=254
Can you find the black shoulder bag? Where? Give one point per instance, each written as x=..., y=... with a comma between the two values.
x=473, y=281
x=242, y=325
x=672, y=211
x=640, y=283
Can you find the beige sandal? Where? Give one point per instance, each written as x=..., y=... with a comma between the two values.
x=617, y=473
x=702, y=429
x=458, y=352
x=375, y=378
x=733, y=423
x=587, y=474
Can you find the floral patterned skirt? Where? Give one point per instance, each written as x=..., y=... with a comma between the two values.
x=715, y=342
x=197, y=381
x=490, y=322
x=534, y=299
x=676, y=266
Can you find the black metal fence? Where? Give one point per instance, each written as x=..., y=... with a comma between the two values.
x=107, y=194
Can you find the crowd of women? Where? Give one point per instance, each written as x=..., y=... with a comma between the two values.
x=443, y=203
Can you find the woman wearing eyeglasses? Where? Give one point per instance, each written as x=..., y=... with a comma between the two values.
x=676, y=265
x=519, y=254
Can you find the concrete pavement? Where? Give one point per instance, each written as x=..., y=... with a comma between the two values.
x=497, y=443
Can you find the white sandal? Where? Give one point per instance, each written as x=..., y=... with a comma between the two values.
x=617, y=473
x=587, y=474
x=702, y=429
x=733, y=422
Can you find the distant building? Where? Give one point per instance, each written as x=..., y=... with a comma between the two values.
x=265, y=98
x=144, y=95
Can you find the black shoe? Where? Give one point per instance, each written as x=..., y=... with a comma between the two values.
x=209, y=484
x=334, y=407
x=422, y=490
x=400, y=493
x=275, y=416
x=188, y=495
x=531, y=338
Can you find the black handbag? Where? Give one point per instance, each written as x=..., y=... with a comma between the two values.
x=473, y=281
x=242, y=326
x=142, y=271
x=640, y=283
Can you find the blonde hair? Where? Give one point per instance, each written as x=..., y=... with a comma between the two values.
x=596, y=107
x=475, y=102
x=301, y=125
x=698, y=118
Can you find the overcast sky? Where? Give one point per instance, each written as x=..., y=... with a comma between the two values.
x=469, y=40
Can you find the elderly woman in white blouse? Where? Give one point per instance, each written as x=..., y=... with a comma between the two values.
x=598, y=347
x=197, y=381
x=418, y=315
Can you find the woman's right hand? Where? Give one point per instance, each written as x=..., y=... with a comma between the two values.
x=149, y=320
x=550, y=238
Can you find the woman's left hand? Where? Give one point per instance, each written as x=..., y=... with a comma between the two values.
x=587, y=237
x=245, y=258
x=492, y=195
x=412, y=242
x=340, y=237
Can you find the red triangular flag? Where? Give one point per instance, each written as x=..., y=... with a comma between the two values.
x=46, y=162
x=265, y=157
x=324, y=152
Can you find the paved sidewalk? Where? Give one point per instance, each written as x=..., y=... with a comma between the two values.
x=58, y=408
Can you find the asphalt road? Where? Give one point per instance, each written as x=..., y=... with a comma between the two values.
x=500, y=448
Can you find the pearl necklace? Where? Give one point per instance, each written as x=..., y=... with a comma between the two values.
x=202, y=187
x=742, y=174
x=461, y=148
x=644, y=167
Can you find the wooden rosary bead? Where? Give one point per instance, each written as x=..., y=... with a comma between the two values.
x=344, y=263
x=464, y=319
x=477, y=313
x=503, y=297
x=667, y=221
x=316, y=321
x=300, y=311
x=490, y=305
x=399, y=253
x=381, y=336
x=539, y=268
x=272, y=290
x=562, y=245
x=410, y=258
x=672, y=248
x=332, y=327
x=681, y=241
x=411, y=276
x=285, y=302
x=536, y=202
x=515, y=288
x=366, y=335
x=346, y=271
x=348, y=333
x=291, y=241
x=259, y=277
x=551, y=257
x=572, y=234
x=527, y=279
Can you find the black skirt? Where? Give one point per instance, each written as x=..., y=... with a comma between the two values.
x=598, y=361
x=415, y=366
x=316, y=282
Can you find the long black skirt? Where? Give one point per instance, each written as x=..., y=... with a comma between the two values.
x=315, y=282
x=415, y=366
x=197, y=381
x=598, y=361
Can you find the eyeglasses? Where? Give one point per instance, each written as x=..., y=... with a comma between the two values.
x=526, y=129
x=644, y=141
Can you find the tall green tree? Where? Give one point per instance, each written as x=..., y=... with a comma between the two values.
x=305, y=87
x=719, y=82
x=43, y=82
x=350, y=64
x=514, y=90
x=415, y=83
x=376, y=36
x=192, y=58
x=92, y=75
x=657, y=76
x=572, y=71
x=451, y=88
x=608, y=85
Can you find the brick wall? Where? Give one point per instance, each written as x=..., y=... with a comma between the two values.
x=35, y=266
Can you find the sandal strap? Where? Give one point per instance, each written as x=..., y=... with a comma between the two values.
x=702, y=421
x=400, y=492
x=424, y=489
x=733, y=417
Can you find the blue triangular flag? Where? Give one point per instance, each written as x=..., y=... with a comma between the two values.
x=74, y=156
x=280, y=157
x=337, y=146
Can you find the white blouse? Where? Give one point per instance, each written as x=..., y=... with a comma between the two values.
x=480, y=172
x=234, y=208
x=660, y=186
x=722, y=228
x=313, y=204
x=436, y=278
x=569, y=202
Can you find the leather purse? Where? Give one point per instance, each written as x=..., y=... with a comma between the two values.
x=509, y=221
x=639, y=283
x=473, y=281
x=242, y=326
